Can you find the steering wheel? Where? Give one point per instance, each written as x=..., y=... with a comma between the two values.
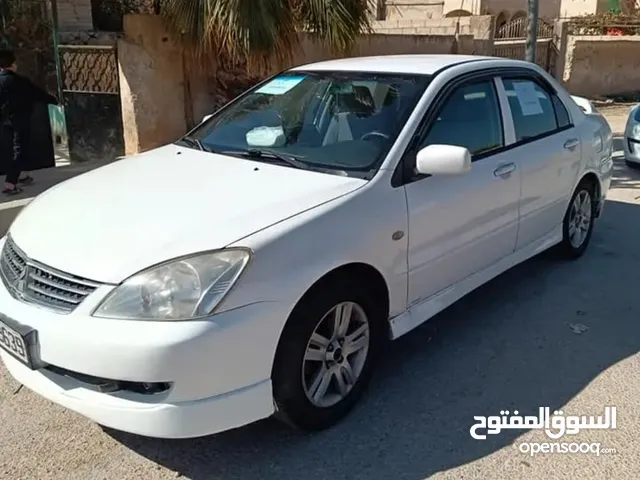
x=374, y=134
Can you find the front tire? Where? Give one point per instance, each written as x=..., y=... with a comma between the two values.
x=578, y=223
x=326, y=354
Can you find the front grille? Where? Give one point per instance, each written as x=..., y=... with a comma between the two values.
x=32, y=282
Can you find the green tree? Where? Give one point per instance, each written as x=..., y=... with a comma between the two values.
x=264, y=32
x=614, y=6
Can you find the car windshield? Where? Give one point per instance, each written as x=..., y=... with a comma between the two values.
x=341, y=122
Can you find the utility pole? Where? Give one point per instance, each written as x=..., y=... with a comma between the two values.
x=532, y=30
x=53, y=18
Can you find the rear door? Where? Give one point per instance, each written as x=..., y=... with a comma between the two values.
x=549, y=150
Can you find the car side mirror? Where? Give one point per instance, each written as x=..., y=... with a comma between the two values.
x=443, y=160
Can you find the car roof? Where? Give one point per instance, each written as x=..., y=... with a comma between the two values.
x=411, y=64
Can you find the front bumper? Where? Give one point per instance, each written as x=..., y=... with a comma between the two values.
x=217, y=370
x=631, y=149
x=631, y=140
x=159, y=419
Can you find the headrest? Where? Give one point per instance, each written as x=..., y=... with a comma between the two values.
x=359, y=102
x=363, y=94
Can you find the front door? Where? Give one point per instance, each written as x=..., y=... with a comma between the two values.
x=462, y=224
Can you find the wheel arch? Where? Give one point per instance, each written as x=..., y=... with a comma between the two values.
x=593, y=179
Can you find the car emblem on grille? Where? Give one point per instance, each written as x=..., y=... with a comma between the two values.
x=22, y=280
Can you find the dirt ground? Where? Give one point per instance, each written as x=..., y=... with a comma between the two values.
x=616, y=115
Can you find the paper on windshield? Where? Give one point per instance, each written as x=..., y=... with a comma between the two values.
x=280, y=85
x=528, y=98
x=266, y=137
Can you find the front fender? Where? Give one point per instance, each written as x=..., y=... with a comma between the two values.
x=358, y=228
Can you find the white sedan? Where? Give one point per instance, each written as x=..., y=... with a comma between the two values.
x=259, y=265
x=631, y=140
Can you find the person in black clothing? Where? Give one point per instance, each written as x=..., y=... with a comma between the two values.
x=18, y=95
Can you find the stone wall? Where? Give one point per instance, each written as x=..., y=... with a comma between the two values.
x=600, y=66
x=74, y=15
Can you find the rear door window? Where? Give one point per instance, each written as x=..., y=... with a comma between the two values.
x=536, y=111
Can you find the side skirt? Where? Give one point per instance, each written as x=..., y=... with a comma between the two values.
x=420, y=313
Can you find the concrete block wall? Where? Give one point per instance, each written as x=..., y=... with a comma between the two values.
x=414, y=9
x=480, y=26
x=597, y=66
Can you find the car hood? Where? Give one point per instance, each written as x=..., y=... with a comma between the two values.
x=114, y=221
x=632, y=121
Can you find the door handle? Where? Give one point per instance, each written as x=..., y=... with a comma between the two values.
x=504, y=170
x=571, y=143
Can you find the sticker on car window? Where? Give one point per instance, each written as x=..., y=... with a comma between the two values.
x=527, y=98
x=280, y=85
x=475, y=95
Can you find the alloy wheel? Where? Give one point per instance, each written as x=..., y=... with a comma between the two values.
x=336, y=354
x=580, y=218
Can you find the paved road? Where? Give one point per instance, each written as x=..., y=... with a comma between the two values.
x=548, y=333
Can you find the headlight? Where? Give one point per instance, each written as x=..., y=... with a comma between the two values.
x=182, y=289
x=635, y=131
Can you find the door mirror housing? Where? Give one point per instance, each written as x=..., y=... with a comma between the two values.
x=443, y=160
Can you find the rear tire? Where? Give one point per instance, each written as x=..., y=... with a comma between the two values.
x=578, y=222
x=317, y=381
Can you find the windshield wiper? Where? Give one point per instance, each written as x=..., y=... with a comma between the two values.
x=290, y=160
x=194, y=142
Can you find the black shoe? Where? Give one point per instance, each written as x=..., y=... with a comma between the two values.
x=28, y=180
x=12, y=191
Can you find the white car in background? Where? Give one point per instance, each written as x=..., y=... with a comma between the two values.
x=585, y=105
x=631, y=140
x=258, y=265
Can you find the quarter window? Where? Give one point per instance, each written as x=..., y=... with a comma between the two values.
x=469, y=118
x=535, y=111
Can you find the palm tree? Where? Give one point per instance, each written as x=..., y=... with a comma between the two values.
x=261, y=33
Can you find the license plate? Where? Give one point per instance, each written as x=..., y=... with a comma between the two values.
x=17, y=344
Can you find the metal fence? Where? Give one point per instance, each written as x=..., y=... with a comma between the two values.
x=517, y=29
x=89, y=69
x=510, y=42
x=91, y=93
x=546, y=52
